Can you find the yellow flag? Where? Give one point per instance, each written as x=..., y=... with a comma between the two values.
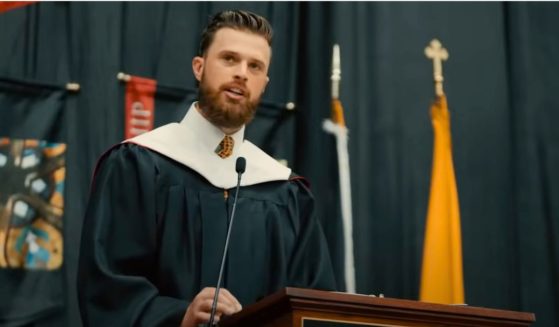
x=441, y=273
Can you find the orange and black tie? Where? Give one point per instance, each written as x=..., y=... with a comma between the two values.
x=225, y=147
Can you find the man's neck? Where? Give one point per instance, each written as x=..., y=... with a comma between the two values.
x=229, y=131
x=225, y=130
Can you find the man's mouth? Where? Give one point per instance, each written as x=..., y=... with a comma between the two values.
x=234, y=92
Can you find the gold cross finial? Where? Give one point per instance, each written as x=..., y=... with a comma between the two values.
x=437, y=53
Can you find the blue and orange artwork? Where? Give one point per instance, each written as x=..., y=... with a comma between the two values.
x=32, y=175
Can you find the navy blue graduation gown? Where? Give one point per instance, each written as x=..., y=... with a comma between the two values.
x=154, y=232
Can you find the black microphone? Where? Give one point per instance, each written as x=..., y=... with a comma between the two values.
x=240, y=166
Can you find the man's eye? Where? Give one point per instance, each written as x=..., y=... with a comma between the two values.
x=229, y=59
x=255, y=66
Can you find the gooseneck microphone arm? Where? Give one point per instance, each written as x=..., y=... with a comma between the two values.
x=240, y=166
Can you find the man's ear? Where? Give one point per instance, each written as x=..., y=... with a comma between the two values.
x=198, y=67
x=265, y=85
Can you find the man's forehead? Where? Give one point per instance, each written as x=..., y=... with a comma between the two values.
x=241, y=41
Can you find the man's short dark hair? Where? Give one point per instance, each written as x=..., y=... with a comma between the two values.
x=238, y=20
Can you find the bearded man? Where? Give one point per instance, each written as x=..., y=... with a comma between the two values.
x=159, y=206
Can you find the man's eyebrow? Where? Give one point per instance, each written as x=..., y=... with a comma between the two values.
x=228, y=52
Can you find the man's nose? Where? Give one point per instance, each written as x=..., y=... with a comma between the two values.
x=241, y=71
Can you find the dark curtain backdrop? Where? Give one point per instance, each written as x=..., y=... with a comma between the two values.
x=500, y=80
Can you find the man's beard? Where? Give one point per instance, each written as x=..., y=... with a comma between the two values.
x=228, y=113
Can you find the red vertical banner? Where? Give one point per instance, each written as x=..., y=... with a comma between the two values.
x=139, y=106
x=9, y=5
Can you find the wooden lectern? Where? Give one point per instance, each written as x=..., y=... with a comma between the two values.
x=296, y=307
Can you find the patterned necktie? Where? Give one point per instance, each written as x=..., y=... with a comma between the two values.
x=225, y=147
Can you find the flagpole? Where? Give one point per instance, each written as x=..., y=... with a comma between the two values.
x=336, y=126
x=442, y=279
